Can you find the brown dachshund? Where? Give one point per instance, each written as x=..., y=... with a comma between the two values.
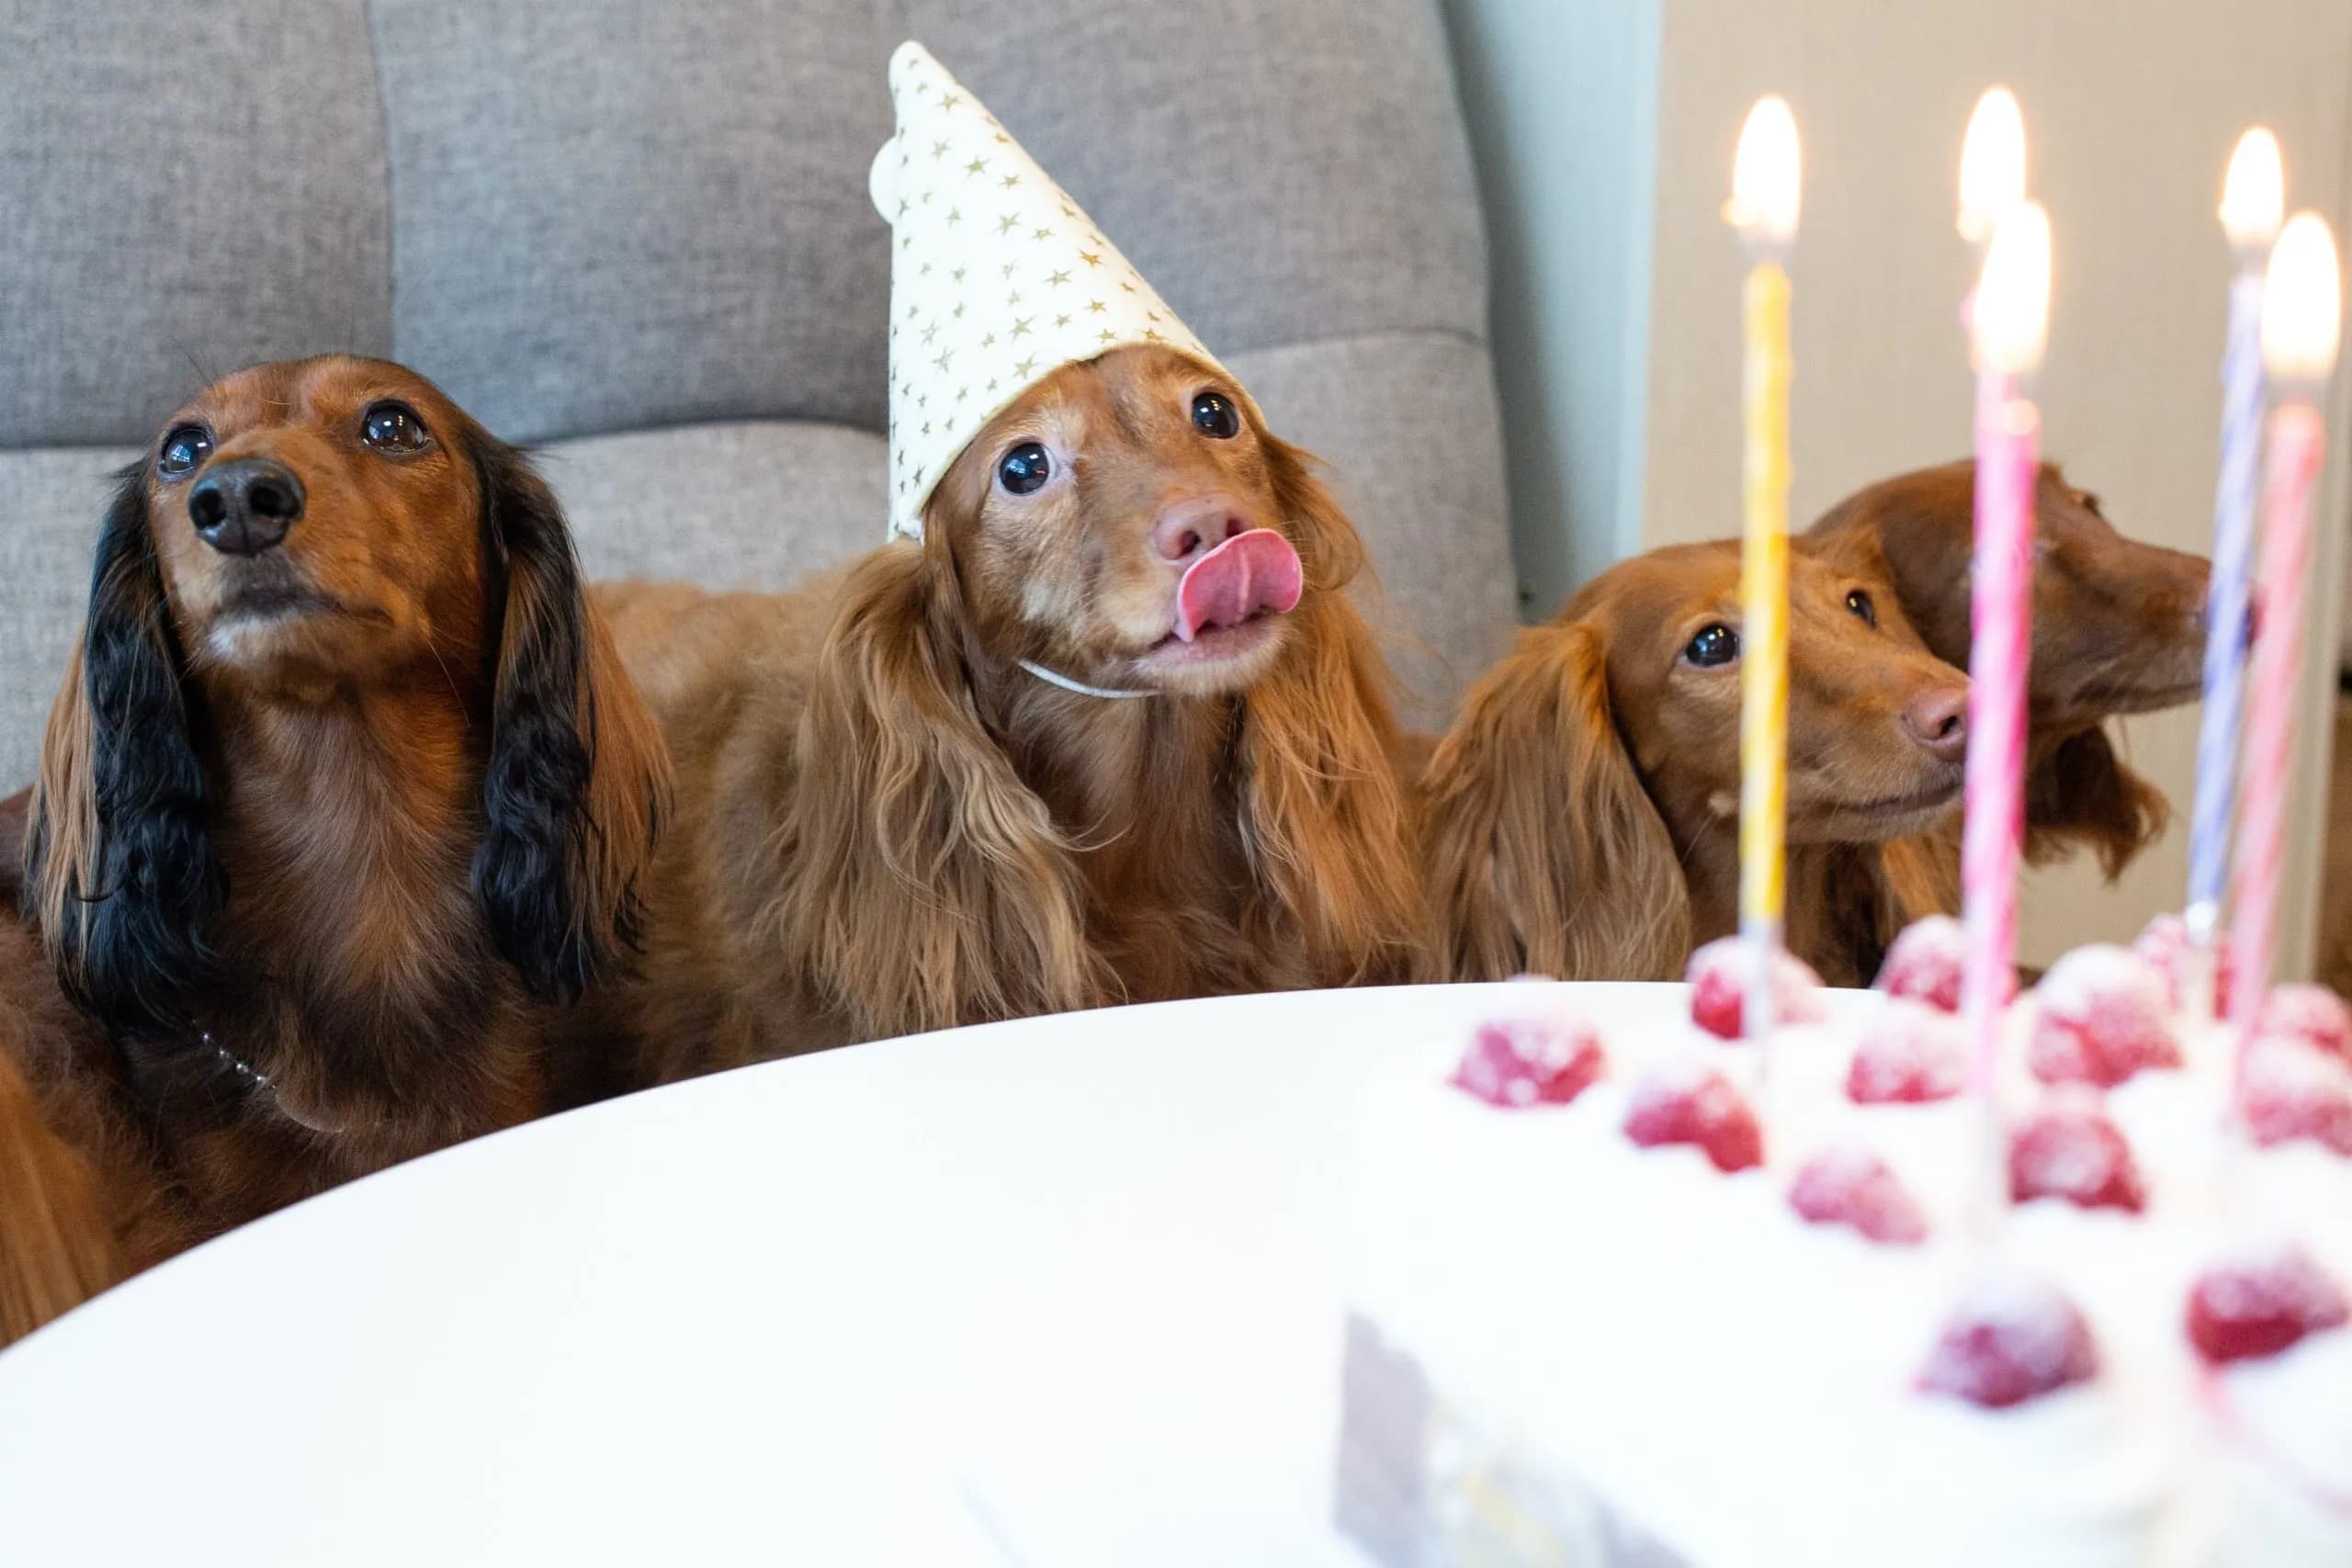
x=343, y=799
x=1583, y=811
x=2118, y=627
x=889, y=824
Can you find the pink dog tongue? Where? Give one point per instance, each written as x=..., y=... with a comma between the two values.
x=1249, y=572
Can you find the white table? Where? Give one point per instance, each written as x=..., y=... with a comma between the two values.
x=1061, y=1291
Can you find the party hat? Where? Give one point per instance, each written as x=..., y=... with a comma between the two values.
x=997, y=278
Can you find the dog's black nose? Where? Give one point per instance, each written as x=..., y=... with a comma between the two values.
x=243, y=506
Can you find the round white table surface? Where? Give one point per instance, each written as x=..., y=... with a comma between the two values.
x=1067, y=1290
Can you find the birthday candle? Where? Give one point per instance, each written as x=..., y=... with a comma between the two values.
x=2252, y=199
x=1991, y=165
x=1764, y=203
x=2009, y=324
x=2301, y=321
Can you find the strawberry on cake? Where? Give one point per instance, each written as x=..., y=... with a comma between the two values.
x=1629, y=1290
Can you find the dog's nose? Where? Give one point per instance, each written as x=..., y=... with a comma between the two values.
x=243, y=506
x=1937, y=719
x=1188, y=529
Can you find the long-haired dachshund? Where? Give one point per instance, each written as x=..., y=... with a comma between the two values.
x=889, y=824
x=343, y=798
x=2118, y=627
x=1582, y=814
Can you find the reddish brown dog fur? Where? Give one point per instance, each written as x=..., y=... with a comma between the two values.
x=359, y=806
x=1583, y=812
x=889, y=825
x=2118, y=627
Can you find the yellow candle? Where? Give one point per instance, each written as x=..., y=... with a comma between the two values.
x=1764, y=595
x=1764, y=202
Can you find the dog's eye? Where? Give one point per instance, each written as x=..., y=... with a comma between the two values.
x=1214, y=414
x=2090, y=503
x=1715, y=645
x=184, y=445
x=1860, y=604
x=392, y=427
x=1024, y=470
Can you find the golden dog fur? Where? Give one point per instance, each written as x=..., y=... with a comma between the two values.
x=887, y=825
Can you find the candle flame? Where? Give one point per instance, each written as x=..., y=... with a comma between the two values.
x=2302, y=304
x=2254, y=197
x=1992, y=164
x=2011, y=319
x=1766, y=183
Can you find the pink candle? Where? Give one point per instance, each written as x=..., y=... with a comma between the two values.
x=2301, y=325
x=2009, y=322
x=2008, y=458
x=2298, y=444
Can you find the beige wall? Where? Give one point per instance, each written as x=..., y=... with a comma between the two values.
x=2132, y=107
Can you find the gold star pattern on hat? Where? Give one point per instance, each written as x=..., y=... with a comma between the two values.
x=1023, y=236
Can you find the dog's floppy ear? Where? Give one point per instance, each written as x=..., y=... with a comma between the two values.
x=2079, y=795
x=578, y=780
x=929, y=885
x=1325, y=817
x=1543, y=852
x=120, y=872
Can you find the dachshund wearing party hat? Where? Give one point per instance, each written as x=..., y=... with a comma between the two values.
x=1100, y=723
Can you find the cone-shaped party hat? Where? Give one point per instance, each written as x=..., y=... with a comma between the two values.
x=997, y=278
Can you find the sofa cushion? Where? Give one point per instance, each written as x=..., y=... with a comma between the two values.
x=51, y=501
x=185, y=190
x=759, y=505
x=615, y=213
x=1280, y=172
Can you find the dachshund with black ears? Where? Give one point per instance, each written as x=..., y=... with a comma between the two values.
x=343, y=804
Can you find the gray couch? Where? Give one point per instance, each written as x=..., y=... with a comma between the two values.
x=636, y=233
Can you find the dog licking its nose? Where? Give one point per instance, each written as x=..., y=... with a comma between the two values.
x=245, y=506
x=1252, y=572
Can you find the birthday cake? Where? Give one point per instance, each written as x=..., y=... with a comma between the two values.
x=1627, y=1293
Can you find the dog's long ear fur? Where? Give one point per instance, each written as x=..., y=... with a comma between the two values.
x=1543, y=852
x=1326, y=819
x=578, y=781
x=2079, y=795
x=929, y=885
x=1843, y=921
x=58, y=1244
x=120, y=871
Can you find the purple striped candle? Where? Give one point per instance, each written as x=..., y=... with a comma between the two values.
x=2252, y=198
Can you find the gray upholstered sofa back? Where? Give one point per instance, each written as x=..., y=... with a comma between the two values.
x=636, y=231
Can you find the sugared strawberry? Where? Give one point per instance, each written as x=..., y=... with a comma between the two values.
x=2167, y=944
x=2292, y=1091
x=1694, y=1105
x=1927, y=962
x=1853, y=1187
x=1520, y=1062
x=2009, y=1341
x=2105, y=1014
x=1910, y=1053
x=2312, y=1014
x=2260, y=1307
x=2073, y=1151
x=1720, y=974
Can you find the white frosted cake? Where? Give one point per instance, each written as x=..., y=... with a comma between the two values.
x=1625, y=1294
